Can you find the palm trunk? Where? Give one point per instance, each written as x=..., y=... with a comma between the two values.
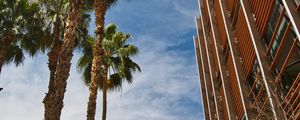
x=54, y=102
x=100, y=9
x=104, y=99
x=53, y=55
x=7, y=40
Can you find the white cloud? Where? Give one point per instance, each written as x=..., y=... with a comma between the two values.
x=156, y=93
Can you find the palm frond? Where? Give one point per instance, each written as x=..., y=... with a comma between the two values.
x=128, y=50
x=110, y=30
x=83, y=62
x=15, y=55
x=87, y=75
x=117, y=56
x=114, y=82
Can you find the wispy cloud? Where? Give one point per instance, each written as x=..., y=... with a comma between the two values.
x=166, y=89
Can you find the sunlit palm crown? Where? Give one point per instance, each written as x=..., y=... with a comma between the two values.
x=23, y=19
x=56, y=11
x=117, y=57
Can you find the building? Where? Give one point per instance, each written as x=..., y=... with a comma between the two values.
x=248, y=55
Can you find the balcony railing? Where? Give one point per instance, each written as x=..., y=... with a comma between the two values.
x=291, y=102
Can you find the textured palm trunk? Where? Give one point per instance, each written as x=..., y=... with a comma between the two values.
x=100, y=9
x=54, y=101
x=7, y=40
x=104, y=97
x=53, y=56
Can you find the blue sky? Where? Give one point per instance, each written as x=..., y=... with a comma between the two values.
x=166, y=89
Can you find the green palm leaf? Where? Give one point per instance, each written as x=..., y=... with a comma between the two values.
x=117, y=56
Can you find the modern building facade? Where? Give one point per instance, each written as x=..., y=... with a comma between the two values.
x=248, y=55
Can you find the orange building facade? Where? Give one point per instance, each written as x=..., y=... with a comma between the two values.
x=248, y=57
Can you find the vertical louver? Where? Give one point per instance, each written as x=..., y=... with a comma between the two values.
x=230, y=5
x=202, y=78
x=245, y=45
x=262, y=10
x=224, y=104
x=235, y=93
x=220, y=24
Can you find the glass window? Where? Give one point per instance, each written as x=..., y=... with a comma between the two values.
x=272, y=22
x=279, y=35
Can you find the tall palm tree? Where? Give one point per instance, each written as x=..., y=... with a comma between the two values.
x=100, y=7
x=117, y=55
x=55, y=12
x=116, y=59
x=20, y=25
x=54, y=100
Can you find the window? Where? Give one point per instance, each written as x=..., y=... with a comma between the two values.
x=278, y=8
x=279, y=35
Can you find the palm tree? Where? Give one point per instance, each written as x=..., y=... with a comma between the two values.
x=55, y=12
x=100, y=7
x=116, y=59
x=20, y=29
x=54, y=100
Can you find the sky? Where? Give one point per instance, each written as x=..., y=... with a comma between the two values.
x=166, y=89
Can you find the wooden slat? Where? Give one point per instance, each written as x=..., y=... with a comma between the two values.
x=235, y=93
x=213, y=50
x=211, y=102
x=201, y=77
x=266, y=19
x=205, y=12
x=224, y=105
x=220, y=24
x=230, y=5
x=245, y=45
x=252, y=4
x=262, y=10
